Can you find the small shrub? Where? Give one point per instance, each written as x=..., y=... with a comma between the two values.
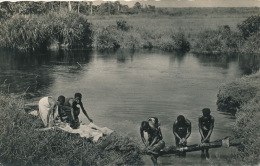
x=176, y=42
x=107, y=38
x=122, y=25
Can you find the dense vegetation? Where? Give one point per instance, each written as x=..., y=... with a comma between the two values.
x=243, y=98
x=8, y=9
x=32, y=32
x=23, y=144
x=111, y=25
x=223, y=40
x=232, y=96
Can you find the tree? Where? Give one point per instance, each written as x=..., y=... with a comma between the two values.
x=137, y=5
x=250, y=26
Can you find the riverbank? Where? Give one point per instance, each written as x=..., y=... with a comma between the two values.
x=22, y=144
x=210, y=33
x=242, y=98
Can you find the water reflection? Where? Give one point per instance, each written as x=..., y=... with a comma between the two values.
x=249, y=63
x=177, y=56
x=222, y=61
x=71, y=57
x=121, y=55
x=34, y=72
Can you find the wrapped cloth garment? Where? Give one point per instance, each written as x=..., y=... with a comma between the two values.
x=44, y=108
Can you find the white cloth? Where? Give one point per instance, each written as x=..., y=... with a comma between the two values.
x=44, y=108
x=91, y=130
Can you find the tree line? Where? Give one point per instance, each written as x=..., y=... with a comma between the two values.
x=8, y=9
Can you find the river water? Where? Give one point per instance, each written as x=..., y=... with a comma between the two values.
x=122, y=88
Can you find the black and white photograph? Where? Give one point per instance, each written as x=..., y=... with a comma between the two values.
x=129, y=83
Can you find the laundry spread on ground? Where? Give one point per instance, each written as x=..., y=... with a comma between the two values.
x=90, y=130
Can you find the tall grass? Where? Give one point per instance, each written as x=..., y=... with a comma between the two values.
x=222, y=40
x=32, y=32
x=123, y=35
x=199, y=30
x=22, y=144
x=247, y=93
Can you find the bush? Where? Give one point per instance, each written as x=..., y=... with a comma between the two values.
x=107, y=38
x=112, y=38
x=250, y=26
x=222, y=40
x=23, y=144
x=122, y=25
x=176, y=42
x=252, y=44
x=232, y=96
x=32, y=32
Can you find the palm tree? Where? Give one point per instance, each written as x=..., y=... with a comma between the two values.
x=69, y=5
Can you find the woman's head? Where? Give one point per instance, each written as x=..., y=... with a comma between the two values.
x=181, y=119
x=61, y=100
x=206, y=112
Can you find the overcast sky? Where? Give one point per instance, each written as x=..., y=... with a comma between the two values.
x=182, y=3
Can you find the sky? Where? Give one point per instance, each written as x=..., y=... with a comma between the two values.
x=179, y=3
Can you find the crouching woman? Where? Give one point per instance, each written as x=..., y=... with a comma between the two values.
x=154, y=142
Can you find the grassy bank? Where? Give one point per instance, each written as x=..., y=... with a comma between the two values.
x=22, y=144
x=159, y=31
x=214, y=32
x=54, y=29
x=209, y=33
x=242, y=97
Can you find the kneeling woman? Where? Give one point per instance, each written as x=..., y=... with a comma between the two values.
x=154, y=143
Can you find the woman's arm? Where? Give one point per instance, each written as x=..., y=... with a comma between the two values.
x=85, y=112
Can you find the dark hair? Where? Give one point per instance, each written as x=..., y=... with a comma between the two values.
x=78, y=95
x=156, y=120
x=145, y=125
x=206, y=111
x=61, y=98
x=181, y=118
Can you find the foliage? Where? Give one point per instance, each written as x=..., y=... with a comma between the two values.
x=250, y=26
x=222, y=40
x=8, y=9
x=33, y=32
x=233, y=95
x=106, y=39
x=247, y=128
x=252, y=44
x=124, y=35
x=23, y=144
x=122, y=25
x=176, y=42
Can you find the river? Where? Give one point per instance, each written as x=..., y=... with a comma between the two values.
x=122, y=88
